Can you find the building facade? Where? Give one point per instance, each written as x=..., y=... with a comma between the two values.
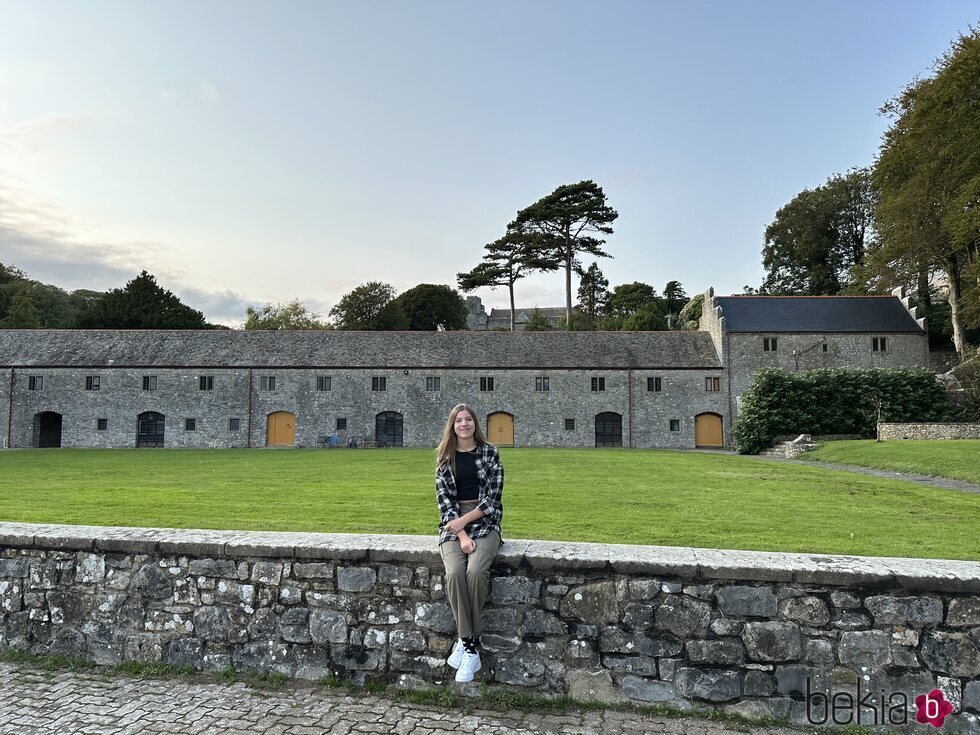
x=93, y=388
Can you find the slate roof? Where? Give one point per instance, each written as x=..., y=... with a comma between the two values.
x=336, y=349
x=816, y=314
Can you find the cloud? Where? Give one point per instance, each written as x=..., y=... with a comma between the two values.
x=29, y=133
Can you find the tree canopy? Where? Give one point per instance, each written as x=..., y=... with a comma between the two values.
x=593, y=295
x=371, y=307
x=429, y=308
x=818, y=237
x=140, y=304
x=569, y=221
x=289, y=315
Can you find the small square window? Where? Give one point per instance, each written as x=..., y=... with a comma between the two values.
x=234, y=424
x=149, y=382
x=542, y=384
x=712, y=384
x=267, y=382
x=769, y=344
x=824, y=345
x=206, y=382
x=323, y=382
x=101, y=424
x=93, y=382
x=379, y=383
x=486, y=384
x=341, y=424
x=879, y=344
x=675, y=424
x=655, y=384
x=35, y=382
x=190, y=424
x=598, y=384
x=569, y=424
x=432, y=384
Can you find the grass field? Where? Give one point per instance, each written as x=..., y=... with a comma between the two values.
x=959, y=459
x=613, y=496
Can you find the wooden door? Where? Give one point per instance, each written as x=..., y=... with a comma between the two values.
x=608, y=430
x=708, y=431
x=280, y=429
x=500, y=429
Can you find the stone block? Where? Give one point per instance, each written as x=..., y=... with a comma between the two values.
x=356, y=579
x=866, y=648
x=773, y=641
x=410, y=641
x=891, y=610
x=263, y=625
x=683, y=616
x=539, y=623
x=11, y=595
x=328, y=626
x=267, y=572
x=91, y=568
x=724, y=626
x=963, y=612
x=151, y=581
x=725, y=651
x=758, y=684
x=593, y=686
x=436, y=616
x=644, y=589
x=395, y=575
x=712, y=685
x=638, y=615
x=186, y=652
x=643, y=665
x=951, y=653
x=313, y=570
x=744, y=601
x=514, y=590
x=14, y=568
x=524, y=668
x=807, y=610
x=971, y=696
x=357, y=659
x=844, y=600
x=646, y=690
x=819, y=651
x=499, y=619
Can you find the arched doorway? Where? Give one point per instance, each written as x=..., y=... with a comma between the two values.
x=708, y=431
x=500, y=429
x=608, y=430
x=280, y=429
x=47, y=430
x=150, y=429
x=388, y=429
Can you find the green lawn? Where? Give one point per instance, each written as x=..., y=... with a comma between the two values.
x=959, y=459
x=609, y=495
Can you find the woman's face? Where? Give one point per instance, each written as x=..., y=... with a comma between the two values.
x=464, y=426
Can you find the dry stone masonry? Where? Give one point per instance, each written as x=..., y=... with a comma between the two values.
x=929, y=431
x=748, y=632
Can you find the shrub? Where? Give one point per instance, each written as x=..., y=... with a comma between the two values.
x=841, y=401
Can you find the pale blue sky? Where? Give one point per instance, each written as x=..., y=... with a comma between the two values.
x=247, y=152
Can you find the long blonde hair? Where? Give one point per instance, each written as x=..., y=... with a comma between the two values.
x=446, y=451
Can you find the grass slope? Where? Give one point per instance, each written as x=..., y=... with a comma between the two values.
x=959, y=459
x=613, y=496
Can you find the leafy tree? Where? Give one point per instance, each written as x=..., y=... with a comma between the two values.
x=816, y=239
x=290, y=315
x=22, y=313
x=675, y=296
x=593, y=295
x=507, y=260
x=537, y=322
x=689, y=319
x=370, y=306
x=569, y=221
x=141, y=304
x=635, y=306
x=928, y=178
x=429, y=308
x=10, y=273
x=652, y=316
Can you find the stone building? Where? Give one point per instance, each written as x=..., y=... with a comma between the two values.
x=499, y=319
x=81, y=388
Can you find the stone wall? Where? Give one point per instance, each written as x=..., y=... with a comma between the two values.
x=539, y=417
x=929, y=431
x=750, y=632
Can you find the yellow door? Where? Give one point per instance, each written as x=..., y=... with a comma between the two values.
x=500, y=429
x=708, y=431
x=281, y=429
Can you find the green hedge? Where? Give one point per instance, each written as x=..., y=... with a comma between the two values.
x=842, y=401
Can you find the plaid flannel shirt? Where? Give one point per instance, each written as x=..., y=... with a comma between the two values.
x=490, y=476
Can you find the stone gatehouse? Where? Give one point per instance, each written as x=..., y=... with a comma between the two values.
x=147, y=388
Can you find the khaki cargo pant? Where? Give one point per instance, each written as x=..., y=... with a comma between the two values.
x=467, y=580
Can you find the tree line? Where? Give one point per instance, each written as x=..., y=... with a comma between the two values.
x=912, y=218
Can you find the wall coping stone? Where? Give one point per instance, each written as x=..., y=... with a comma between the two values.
x=942, y=575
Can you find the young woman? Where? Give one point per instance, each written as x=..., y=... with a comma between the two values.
x=469, y=484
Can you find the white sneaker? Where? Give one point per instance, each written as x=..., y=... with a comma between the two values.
x=468, y=666
x=456, y=657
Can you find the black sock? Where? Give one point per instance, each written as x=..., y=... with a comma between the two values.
x=469, y=645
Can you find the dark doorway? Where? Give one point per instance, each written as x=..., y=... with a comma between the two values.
x=150, y=429
x=608, y=430
x=388, y=429
x=47, y=429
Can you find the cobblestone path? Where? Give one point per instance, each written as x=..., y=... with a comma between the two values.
x=69, y=703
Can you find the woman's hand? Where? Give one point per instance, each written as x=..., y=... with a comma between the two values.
x=466, y=544
x=455, y=526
